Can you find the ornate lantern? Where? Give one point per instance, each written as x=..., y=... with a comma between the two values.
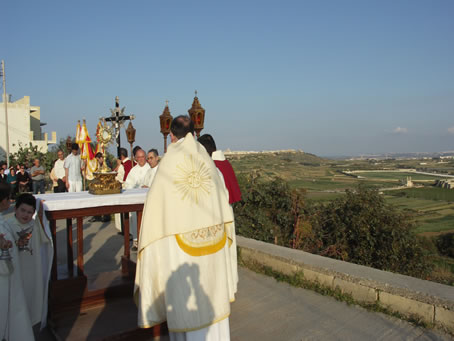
x=69, y=143
x=131, y=135
x=165, y=120
x=197, y=114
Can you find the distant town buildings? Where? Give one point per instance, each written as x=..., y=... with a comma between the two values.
x=24, y=126
x=291, y=151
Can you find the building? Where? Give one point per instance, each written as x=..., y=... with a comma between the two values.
x=24, y=127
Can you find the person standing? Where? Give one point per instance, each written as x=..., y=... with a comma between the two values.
x=73, y=166
x=12, y=182
x=136, y=179
x=3, y=176
x=23, y=180
x=15, y=322
x=152, y=159
x=34, y=257
x=183, y=273
x=37, y=174
x=124, y=166
x=59, y=173
x=231, y=183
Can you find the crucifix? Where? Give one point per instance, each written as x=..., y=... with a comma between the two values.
x=117, y=120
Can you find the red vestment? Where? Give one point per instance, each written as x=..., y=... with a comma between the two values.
x=230, y=180
x=127, y=165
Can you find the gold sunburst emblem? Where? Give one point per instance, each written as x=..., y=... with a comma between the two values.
x=193, y=179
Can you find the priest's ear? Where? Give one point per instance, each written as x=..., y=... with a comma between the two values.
x=173, y=139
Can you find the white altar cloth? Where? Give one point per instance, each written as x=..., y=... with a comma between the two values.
x=76, y=200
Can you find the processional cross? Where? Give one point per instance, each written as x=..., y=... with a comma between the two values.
x=118, y=118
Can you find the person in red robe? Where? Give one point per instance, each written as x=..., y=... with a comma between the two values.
x=224, y=166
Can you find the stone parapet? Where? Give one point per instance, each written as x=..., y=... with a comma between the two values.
x=431, y=302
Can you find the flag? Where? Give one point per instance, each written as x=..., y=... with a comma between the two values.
x=86, y=152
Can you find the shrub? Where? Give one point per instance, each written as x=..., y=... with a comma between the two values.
x=361, y=228
x=267, y=209
x=445, y=244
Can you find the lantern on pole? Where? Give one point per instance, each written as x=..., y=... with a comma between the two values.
x=131, y=135
x=197, y=114
x=166, y=120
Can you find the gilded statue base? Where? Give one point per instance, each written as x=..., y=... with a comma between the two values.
x=104, y=183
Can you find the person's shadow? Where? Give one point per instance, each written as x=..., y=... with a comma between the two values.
x=185, y=299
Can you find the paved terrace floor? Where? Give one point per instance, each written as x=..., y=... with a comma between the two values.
x=264, y=309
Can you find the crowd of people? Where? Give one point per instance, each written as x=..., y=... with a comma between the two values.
x=187, y=241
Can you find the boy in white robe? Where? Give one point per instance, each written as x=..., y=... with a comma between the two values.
x=34, y=257
x=15, y=323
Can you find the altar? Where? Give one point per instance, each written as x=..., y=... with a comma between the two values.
x=55, y=206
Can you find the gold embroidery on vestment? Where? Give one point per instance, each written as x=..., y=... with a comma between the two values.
x=203, y=241
x=192, y=179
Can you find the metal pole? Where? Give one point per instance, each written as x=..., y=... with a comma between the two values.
x=5, y=100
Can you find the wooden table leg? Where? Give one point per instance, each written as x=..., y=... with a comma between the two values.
x=69, y=247
x=126, y=236
x=80, y=247
x=126, y=253
x=53, y=230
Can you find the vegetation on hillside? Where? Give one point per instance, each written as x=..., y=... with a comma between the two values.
x=359, y=227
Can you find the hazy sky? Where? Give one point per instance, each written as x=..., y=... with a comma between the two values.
x=335, y=77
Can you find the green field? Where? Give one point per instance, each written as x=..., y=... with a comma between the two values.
x=397, y=176
x=323, y=181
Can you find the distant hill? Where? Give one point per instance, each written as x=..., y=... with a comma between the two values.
x=286, y=164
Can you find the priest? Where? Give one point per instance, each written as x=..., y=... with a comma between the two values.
x=184, y=275
x=136, y=179
x=152, y=159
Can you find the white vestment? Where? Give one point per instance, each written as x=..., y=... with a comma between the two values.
x=183, y=273
x=15, y=323
x=135, y=179
x=149, y=176
x=34, y=267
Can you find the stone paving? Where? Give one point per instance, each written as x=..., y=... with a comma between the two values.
x=264, y=308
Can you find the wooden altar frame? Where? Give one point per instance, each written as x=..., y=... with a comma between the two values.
x=72, y=292
x=79, y=214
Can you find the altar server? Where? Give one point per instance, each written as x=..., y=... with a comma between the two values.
x=231, y=183
x=73, y=166
x=183, y=265
x=34, y=257
x=135, y=179
x=15, y=323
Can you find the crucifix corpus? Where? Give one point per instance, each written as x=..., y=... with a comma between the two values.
x=118, y=118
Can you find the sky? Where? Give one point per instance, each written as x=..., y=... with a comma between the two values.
x=329, y=77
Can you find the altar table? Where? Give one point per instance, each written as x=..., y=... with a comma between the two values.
x=82, y=204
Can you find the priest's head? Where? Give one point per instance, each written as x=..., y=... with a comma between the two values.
x=180, y=127
x=5, y=191
x=140, y=157
x=153, y=158
x=25, y=208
